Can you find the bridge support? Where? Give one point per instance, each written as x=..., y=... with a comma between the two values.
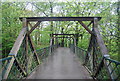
x=75, y=45
x=51, y=41
x=102, y=46
x=14, y=50
x=96, y=44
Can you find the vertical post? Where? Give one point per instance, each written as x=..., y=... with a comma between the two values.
x=57, y=41
x=95, y=25
x=51, y=40
x=75, y=44
x=89, y=53
x=24, y=20
x=103, y=48
x=94, y=59
x=70, y=40
x=63, y=41
x=26, y=47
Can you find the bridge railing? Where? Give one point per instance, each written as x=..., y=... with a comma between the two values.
x=23, y=58
x=97, y=60
x=100, y=68
x=23, y=65
x=3, y=63
x=101, y=72
x=45, y=52
x=81, y=53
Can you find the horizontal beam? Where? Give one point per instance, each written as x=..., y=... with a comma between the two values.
x=62, y=34
x=61, y=37
x=60, y=18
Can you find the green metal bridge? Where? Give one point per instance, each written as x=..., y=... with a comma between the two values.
x=56, y=62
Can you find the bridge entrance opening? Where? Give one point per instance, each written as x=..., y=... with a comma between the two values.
x=24, y=58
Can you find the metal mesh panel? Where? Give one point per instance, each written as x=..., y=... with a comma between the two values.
x=15, y=72
x=32, y=61
x=27, y=62
x=45, y=52
x=79, y=52
x=101, y=67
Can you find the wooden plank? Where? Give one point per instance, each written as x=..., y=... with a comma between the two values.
x=60, y=18
x=33, y=48
x=34, y=27
x=15, y=49
x=85, y=27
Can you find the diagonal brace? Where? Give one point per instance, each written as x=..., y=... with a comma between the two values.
x=86, y=27
x=89, y=23
x=34, y=27
x=33, y=48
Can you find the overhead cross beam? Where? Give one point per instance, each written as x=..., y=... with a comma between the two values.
x=62, y=37
x=60, y=18
x=63, y=34
x=40, y=19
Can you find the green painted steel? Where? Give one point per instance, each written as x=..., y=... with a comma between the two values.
x=4, y=59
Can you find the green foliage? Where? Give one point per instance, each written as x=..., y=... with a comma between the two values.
x=11, y=25
x=108, y=25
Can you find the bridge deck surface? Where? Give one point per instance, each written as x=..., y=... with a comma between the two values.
x=63, y=64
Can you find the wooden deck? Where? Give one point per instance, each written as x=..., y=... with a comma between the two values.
x=62, y=64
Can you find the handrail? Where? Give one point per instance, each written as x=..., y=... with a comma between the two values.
x=114, y=67
x=14, y=51
x=79, y=51
x=4, y=59
x=44, y=52
x=116, y=62
x=101, y=68
x=96, y=53
x=19, y=66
